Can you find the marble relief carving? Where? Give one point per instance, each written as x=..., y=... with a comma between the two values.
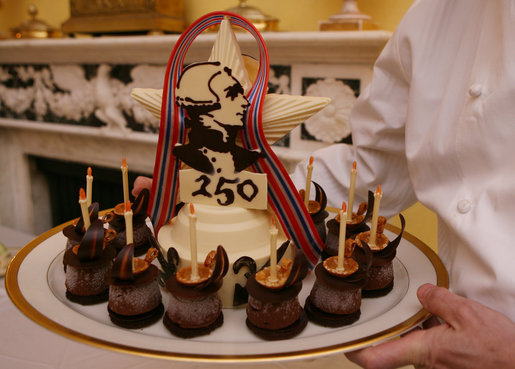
x=91, y=95
x=332, y=123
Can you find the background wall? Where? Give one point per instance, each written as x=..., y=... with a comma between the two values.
x=307, y=12
x=420, y=221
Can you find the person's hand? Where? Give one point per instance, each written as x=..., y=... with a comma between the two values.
x=473, y=336
x=140, y=183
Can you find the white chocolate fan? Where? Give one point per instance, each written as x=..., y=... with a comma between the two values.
x=281, y=113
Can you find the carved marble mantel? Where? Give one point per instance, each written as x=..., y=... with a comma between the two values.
x=68, y=99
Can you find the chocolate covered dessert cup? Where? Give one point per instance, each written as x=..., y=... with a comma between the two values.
x=381, y=276
x=86, y=265
x=194, y=307
x=273, y=309
x=134, y=294
x=335, y=299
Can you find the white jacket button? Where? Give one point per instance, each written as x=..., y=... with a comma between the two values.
x=464, y=206
x=475, y=90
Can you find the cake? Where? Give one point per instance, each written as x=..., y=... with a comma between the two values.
x=214, y=151
x=354, y=227
x=141, y=231
x=194, y=307
x=335, y=298
x=273, y=310
x=87, y=264
x=381, y=276
x=134, y=294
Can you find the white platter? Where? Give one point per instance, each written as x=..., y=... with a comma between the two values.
x=35, y=283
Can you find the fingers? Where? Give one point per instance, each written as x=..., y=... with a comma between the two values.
x=442, y=303
x=411, y=349
x=140, y=183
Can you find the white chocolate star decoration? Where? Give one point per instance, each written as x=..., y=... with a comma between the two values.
x=281, y=113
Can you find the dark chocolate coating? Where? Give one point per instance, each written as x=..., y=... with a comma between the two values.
x=89, y=299
x=324, y=319
x=137, y=321
x=262, y=293
x=146, y=277
x=184, y=292
x=70, y=258
x=181, y=332
x=280, y=334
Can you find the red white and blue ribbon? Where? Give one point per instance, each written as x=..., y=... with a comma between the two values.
x=282, y=194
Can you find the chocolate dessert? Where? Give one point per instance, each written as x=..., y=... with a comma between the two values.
x=194, y=307
x=273, y=309
x=381, y=277
x=87, y=264
x=356, y=226
x=134, y=295
x=335, y=299
x=141, y=232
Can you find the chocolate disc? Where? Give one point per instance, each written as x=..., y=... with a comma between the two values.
x=190, y=292
x=267, y=295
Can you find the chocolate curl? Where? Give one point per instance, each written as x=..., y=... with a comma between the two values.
x=245, y=261
x=299, y=270
x=140, y=206
x=320, y=197
x=221, y=265
x=92, y=243
x=370, y=207
x=122, y=267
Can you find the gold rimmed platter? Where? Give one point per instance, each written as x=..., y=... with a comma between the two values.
x=35, y=283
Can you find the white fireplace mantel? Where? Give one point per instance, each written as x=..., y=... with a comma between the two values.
x=331, y=57
x=283, y=47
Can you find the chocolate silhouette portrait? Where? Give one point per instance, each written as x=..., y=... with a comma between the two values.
x=214, y=107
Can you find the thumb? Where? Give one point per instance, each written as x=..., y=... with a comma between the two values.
x=410, y=349
x=441, y=303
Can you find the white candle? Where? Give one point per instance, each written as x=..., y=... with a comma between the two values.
x=353, y=174
x=308, y=183
x=373, y=229
x=193, y=243
x=273, y=251
x=129, y=233
x=89, y=186
x=84, y=208
x=341, y=240
x=125, y=178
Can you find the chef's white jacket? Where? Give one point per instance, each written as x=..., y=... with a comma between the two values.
x=437, y=125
